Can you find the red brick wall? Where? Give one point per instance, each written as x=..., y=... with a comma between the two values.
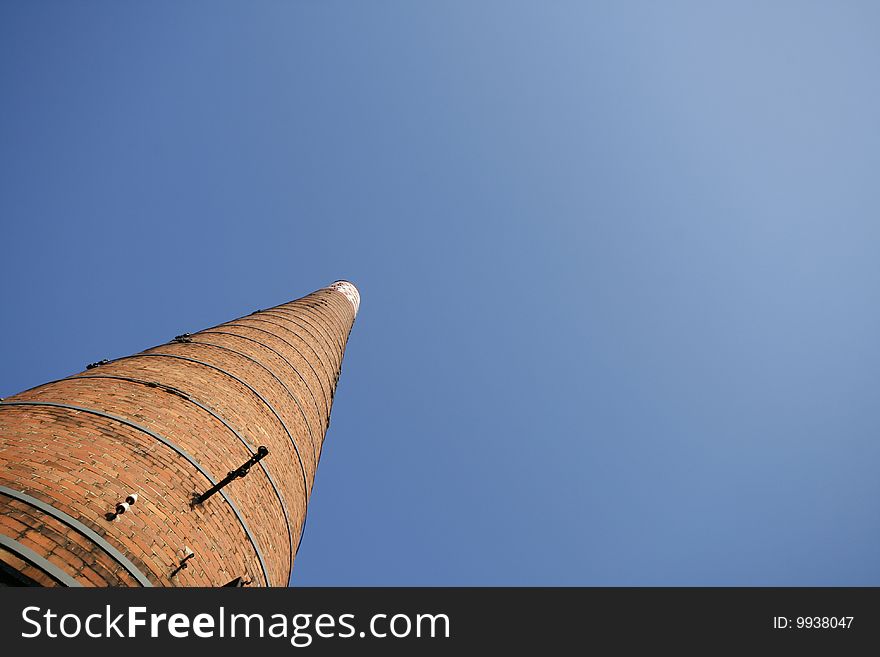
x=264, y=379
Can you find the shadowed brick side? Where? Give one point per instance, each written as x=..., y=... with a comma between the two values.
x=268, y=379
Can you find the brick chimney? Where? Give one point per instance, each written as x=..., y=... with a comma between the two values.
x=188, y=464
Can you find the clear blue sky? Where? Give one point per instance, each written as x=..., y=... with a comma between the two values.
x=619, y=263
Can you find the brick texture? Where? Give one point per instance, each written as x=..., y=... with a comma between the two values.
x=167, y=423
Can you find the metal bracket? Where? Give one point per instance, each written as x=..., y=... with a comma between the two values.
x=240, y=471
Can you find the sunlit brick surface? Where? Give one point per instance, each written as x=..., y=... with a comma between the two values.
x=214, y=396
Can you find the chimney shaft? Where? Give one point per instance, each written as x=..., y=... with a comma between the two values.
x=240, y=410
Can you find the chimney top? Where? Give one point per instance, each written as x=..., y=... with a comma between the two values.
x=349, y=291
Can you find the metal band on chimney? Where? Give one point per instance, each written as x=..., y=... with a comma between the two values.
x=328, y=310
x=320, y=310
x=37, y=561
x=333, y=302
x=246, y=385
x=321, y=343
x=304, y=340
x=78, y=526
x=302, y=355
x=326, y=339
x=275, y=376
x=279, y=354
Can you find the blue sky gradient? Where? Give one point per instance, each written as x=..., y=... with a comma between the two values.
x=618, y=263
